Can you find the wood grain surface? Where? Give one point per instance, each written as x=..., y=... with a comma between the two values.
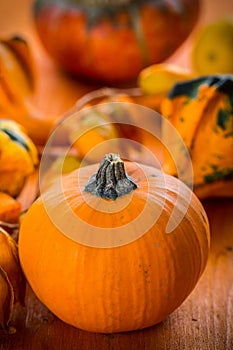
x=205, y=320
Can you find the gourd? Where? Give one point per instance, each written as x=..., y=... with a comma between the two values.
x=201, y=109
x=111, y=41
x=161, y=77
x=18, y=155
x=114, y=247
x=18, y=78
x=10, y=208
x=12, y=281
x=212, y=49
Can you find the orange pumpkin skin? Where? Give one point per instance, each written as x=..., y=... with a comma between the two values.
x=113, y=41
x=114, y=289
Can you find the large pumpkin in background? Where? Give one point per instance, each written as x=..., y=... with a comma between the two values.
x=111, y=41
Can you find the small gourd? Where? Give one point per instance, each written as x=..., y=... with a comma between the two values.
x=18, y=156
x=201, y=110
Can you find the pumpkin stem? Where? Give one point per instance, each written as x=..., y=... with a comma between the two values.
x=111, y=180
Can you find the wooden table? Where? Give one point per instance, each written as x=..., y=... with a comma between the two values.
x=205, y=320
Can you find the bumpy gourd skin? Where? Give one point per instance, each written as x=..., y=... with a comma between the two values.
x=201, y=109
x=107, y=289
x=18, y=156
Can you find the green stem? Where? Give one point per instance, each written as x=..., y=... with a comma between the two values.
x=111, y=180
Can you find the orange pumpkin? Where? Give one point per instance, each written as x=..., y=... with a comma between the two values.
x=115, y=251
x=111, y=41
x=89, y=128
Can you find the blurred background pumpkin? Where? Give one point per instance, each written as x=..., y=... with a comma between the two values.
x=111, y=41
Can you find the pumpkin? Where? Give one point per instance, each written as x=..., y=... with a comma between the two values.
x=123, y=120
x=114, y=247
x=18, y=156
x=92, y=128
x=201, y=109
x=111, y=41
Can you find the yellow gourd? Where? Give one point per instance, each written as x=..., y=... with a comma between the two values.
x=18, y=156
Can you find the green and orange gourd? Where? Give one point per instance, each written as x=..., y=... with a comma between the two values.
x=201, y=109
